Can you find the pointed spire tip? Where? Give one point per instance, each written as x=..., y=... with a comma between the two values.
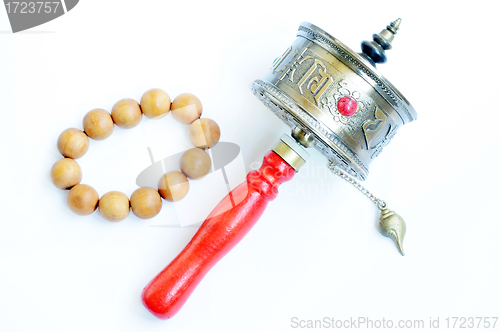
x=394, y=26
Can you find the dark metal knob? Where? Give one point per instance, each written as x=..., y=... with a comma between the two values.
x=374, y=51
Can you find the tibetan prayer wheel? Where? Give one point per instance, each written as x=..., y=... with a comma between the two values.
x=334, y=100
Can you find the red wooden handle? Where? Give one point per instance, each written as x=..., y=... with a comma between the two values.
x=221, y=231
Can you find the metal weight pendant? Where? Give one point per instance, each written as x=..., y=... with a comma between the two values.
x=334, y=100
x=393, y=226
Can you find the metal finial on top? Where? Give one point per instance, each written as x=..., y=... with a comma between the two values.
x=374, y=51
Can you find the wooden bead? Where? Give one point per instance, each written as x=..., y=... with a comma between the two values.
x=114, y=206
x=173, y=186
x=98, y=124
x=66, y=173
x=195, y=163
x=73, y=143
x=83, y=199
x=204, y=133
x=186, y=108
x=126, y=113
x=155, y=103
x=145, y=202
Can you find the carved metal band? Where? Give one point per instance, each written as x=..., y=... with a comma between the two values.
x=346, y=55
x=293, y=115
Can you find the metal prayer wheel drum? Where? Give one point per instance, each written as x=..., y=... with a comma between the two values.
x=335, y=99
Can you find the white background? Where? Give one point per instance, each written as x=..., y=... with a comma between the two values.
x=316, y=252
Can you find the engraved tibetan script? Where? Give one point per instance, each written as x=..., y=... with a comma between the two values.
x=376, y=130
x=293, y=65
x=317, y=84
x=315, y=79
x=279, y=60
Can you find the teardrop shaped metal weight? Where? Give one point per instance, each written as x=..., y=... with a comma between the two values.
x=393, y=226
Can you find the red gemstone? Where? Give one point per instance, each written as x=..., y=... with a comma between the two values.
x=347, y=106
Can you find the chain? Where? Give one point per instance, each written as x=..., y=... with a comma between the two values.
x=343, y=174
